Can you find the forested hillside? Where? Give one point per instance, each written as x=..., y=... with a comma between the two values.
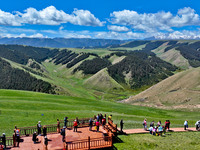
x=112, y=73
x=12, y=78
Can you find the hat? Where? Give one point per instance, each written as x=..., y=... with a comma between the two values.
x=4, y=134
x=39, y=121
x=64, y=127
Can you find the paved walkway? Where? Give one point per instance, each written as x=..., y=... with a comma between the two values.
x=132, y=131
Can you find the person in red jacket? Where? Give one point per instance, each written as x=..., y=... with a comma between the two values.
x=97, y=125
x=75, y=125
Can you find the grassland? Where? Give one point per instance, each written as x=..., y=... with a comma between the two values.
x=23, y=108
x=178, y=91
x=172, y=141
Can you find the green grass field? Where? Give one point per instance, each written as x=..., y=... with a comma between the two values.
x=171, y=141
x=23, y=108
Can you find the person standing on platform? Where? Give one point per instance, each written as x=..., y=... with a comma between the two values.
x=18, y=137
x=39, y=128
x=44, y=131
x=3, y=139
x=75, y=125
x=46, y=142
x=90, y=124
x=63, y=134
x=58, y=126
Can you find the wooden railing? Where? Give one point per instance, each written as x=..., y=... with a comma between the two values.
x=83, y=122
x=114, y=126
x=9, y=141
x=93, y=143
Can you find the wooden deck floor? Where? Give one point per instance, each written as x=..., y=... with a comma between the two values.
x=55, y=140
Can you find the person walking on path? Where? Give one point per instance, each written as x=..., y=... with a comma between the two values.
x=58, y=126
x=75, y=125
x=39, y=127
x=185, y=124
x=197, y=124
x=90, y=124
x=63, y=134
x=3, y=139
x=44, y=131
x=145, y=124
x=121, y=125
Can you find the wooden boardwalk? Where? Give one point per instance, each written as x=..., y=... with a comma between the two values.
x=55, y=140
x=133, y=131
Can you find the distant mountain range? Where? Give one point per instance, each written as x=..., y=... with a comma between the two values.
x=62, y=42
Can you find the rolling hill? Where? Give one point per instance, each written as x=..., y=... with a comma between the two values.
x=181, y=90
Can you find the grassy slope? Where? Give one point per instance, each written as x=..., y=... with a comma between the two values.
x=172, y=141
x=25, y=108
x=181, y=90
x=172, y=56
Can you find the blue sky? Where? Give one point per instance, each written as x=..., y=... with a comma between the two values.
x=111, y=19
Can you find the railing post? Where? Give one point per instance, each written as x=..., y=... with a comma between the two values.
x=88, y=142
x=25, y=131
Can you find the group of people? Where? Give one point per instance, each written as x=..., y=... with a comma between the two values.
x=97, y=121
x=157, y=129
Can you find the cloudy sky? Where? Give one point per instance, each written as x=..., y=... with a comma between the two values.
x=110, y=19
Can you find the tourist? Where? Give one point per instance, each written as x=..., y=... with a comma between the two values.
x=44, y=131
x=63, y=134
x=100, y=118
x=39, y=127
x=3, y=139
x=110, y=117
x=14, y=139
x=159, y=123
x=75, y=125
x=197, y=124
x=46, y=142
x=97, y=125
x=151, y=130
x=164, y=130
x=90, y=124
x=185, y=124
x=145, y=124
x=121, y=125
x=18, y=137
x=58, y=126
x=154, y=130
x=103, y=122
x=34, y=138
x=65, y=121
x=152, y=124
x=160, y=130
x=167, y=124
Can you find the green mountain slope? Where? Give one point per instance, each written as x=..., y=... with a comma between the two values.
x=181, y=90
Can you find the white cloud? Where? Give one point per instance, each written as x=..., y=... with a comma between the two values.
x=153, y=22
x=118, y=28
x=49, y=16
x=7, y=18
